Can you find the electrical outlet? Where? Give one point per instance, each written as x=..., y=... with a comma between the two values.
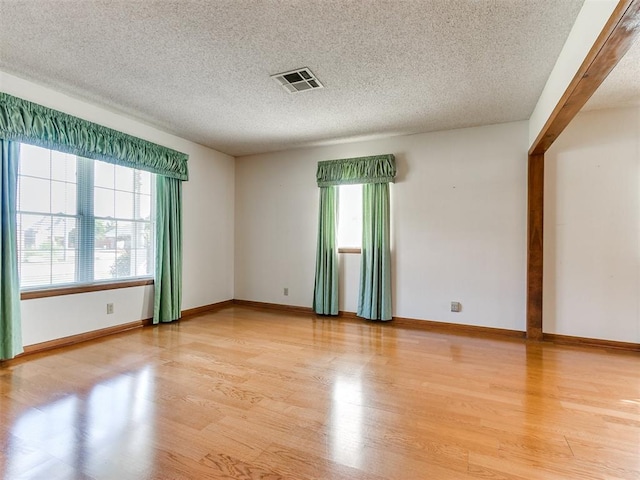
x=109, y=308
x=456, y=307
x=286, y=291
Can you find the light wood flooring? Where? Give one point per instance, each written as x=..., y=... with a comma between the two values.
x=250, y=394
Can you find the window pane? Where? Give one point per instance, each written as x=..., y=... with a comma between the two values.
x=63, y=166
x=104, y=234
x=63, y=198
x=124, y=204
x=144, y=245
x=47, y=249
x=103, y=174
x=35, y=195
x=143, y=207
x=34, y=255
x=104, y=202
x=34, y=161
x=124, y=178
x=144, y=179
x=104, y=256
x=122, y=266
x=350, y=216
x=105, y=248
x=63, y=260
x=142, y=262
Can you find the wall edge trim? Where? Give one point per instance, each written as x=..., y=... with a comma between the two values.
x=192, y=312
x=81, y=337
x=590, y=342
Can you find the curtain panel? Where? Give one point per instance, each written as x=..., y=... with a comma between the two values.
x=325, y=292
x=10, y=328
x=168, y=279
x=374, y=300
x=24, y=121
x=358, y=170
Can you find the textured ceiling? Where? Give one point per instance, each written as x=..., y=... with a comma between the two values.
x=200, y=68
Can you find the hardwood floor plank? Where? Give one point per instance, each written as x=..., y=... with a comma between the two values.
x=241, y=393
x=308, y=464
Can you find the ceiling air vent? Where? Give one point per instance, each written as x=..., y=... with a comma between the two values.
x=297, y=80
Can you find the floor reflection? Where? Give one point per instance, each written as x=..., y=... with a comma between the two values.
x=378, y=338
x=347, y=440
x=114, y=420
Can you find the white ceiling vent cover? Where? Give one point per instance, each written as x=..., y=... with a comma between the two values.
x=298, y=80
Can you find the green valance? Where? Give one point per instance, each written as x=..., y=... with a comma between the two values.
x=375, y=169
x=28, y=122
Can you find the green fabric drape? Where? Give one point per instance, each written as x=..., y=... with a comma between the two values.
x=10, y=330
x=375, y=173
x=374, y=302
x=28, y=122
x=374, y=169
x=168, y=278
x=325, y=294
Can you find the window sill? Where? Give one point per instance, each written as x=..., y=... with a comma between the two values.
x=349, y=250
x=92, y=287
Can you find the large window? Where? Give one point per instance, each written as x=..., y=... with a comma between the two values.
x=82, y=221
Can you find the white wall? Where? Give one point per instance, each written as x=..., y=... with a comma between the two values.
x=458, y=216
x=591, y=19
x=50, y=318
x=208, y=199
x=592, y=222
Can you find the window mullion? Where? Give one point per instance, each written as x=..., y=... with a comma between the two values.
x=86, y=221
x=151, y=246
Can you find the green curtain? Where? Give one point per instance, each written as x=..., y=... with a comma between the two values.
x=24, y=121
x=10, y=330
x=168, y=278
x=373, y=169
x=325, y=294
x=375, y=173
x=374, y=302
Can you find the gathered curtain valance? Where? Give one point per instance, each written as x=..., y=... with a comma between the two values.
x=375, y=169
x=28, y=122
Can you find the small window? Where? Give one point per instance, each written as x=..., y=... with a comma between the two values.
x=350, y=217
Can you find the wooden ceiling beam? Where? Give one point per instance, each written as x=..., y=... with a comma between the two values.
x=612, y=44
